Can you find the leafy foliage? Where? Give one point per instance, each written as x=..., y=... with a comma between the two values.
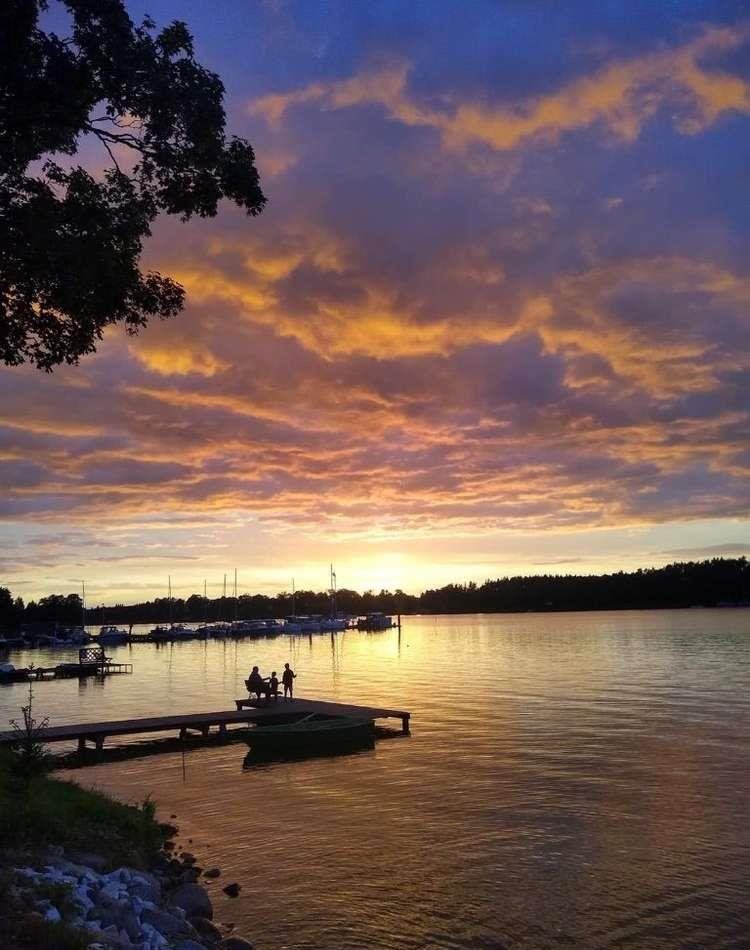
x=28, y=753
x=70, y=242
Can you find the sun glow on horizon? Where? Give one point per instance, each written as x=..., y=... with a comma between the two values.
x=493, y=321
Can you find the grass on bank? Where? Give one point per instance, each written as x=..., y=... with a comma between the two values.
x=38, y=811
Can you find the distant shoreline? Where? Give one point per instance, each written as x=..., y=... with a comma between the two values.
x=719, y=582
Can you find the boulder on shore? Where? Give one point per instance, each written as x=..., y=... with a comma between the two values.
x=235, y=943
x=232, y=890
x=194, y=900
x=94, y=861
x=205, y=929
x=164, y=922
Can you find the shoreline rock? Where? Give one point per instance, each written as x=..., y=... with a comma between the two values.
x=123, y=909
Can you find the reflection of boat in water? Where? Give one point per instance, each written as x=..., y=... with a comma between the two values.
x=265, y=756
x=311, y=732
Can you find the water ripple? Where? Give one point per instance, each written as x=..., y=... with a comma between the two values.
x=574, y=780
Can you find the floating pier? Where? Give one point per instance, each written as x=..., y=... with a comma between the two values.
x=97, y=733
x=65, y=671
x=91, y=662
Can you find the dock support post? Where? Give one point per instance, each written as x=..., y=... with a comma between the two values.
x=81, y=745
x=405, y=723
x=223, y=729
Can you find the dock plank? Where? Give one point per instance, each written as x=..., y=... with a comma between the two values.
x=204, y=720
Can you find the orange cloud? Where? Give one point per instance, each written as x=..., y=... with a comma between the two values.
x=621, y=97
x=659, y=357
x=177, y=360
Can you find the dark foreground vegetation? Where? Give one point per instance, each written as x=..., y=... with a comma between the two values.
x=38, y=812
x=718, y=582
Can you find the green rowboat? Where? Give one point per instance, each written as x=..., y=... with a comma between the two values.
x=311, y=732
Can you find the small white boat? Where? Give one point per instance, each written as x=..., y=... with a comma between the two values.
x=180, y=632
x=220, y=630
x=241, y=628
x=375, y=621
x=333, y=623
x=112, y=635
x=76, y=635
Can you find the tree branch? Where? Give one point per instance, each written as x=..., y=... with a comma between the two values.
x=112, y=156
x=131, y=141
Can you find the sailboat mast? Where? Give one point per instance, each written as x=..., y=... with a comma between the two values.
x=333, y=592
x=169, y=598
x=294, y=600
x=235, y=593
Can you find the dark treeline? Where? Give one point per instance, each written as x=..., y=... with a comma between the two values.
x=702, y=583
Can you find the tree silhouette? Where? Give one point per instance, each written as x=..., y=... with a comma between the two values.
x=70, y=241
x=720, y=581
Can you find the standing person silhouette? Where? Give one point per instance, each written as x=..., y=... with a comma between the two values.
x=287, y=678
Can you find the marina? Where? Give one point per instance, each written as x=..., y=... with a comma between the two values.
x=111, y=635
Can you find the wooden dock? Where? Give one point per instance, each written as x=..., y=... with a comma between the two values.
x=66, y=671
x=202, y=723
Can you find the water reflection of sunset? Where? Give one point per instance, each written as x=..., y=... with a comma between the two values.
x=570, y=778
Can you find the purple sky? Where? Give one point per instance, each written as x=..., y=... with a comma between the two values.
x=494, y=319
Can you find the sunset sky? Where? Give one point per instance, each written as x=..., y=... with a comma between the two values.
x=495, y=318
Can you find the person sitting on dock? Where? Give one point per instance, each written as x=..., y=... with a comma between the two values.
x=287, y=678
x=273, y=686
x=256, y=684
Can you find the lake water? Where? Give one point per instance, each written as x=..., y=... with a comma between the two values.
x=572, y=780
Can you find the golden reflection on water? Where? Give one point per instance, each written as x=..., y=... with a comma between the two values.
x=570, y=780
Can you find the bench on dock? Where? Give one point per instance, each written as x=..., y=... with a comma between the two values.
x=257, y=702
